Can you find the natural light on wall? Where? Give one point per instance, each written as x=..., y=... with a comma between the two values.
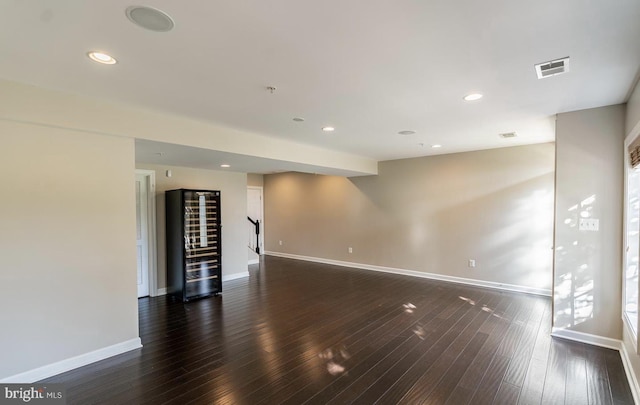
x=574, y=288
x=540, y=208
x=527, y=221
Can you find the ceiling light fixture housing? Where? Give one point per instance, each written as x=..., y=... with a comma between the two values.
x=473, y=97
x=552, y=68
x=436, y=146
x=225, y=165
x=507, y=135
x=150, y=18
x=102, y=57
x=328, y=129
x=407, y=132
x=298, y=119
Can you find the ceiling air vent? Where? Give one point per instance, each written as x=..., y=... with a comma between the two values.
x=552, y=68
x=508, y=135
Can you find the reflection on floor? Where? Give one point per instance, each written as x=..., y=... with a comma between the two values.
x=296, y=332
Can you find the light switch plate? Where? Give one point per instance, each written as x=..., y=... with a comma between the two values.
x=589, y=224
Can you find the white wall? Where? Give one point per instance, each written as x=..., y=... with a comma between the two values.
x=589, y=180
x=67, y=245
x=233, y=193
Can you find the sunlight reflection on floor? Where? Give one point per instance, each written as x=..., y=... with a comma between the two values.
x=335, y=358
x=409, y=307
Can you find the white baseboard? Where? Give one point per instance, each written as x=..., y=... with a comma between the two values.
x=234, y=276
x=588, y=338
x=609, y=344
x=413, y=273
x=62, y=366
x=228, y=277
x=631, y=377
x=628, y=368
x=254, y=261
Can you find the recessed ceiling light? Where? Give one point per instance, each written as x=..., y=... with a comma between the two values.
x=436, y=146
x=225, y=165
x=298, y=119
x=407, y=132
x=509, y=135
x=101, y=57
x=149, y=18
x=328, y=129
x=473, y=97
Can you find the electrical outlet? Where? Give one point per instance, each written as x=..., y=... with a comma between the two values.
x=472, y=263
x=280, y=243
x=350, y=249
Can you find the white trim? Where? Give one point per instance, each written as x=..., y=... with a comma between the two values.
x=626, y=330
x=413, y=273
x=629, y=139
x=254, y=261
x=588, y=338
x=151, y=230
x=626, y=323
x=71, y=363
x=228, y=277
x=631, y=377
x=628, y=368
x=235, y=276
x=609, y=343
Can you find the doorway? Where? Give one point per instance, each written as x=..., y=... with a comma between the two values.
x=255, y=211
x=146, y=233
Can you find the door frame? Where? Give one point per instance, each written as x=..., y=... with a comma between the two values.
x=152, y=246
x=262, y=227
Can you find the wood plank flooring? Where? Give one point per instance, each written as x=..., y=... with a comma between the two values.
x=305, y=333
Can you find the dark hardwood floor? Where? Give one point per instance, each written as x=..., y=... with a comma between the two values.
x=298, y=332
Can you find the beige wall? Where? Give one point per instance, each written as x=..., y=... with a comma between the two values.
x=426, y=214
x=589, y=177
x=255, y=180
x=67, y=245
x=233, y=192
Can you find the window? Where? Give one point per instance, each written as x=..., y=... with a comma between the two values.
x=631, y=235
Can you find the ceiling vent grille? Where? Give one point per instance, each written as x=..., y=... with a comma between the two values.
x=508, y=135
x=552, y=68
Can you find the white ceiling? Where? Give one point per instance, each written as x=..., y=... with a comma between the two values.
x=369, y=68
